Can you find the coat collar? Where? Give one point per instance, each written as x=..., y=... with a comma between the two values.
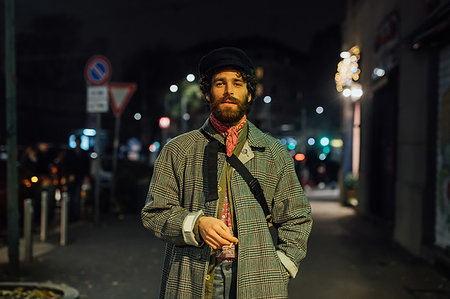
x=255, y=138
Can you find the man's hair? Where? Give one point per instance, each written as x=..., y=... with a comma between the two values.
x=249, y=78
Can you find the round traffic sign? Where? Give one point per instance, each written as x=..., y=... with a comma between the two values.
x=97, y=70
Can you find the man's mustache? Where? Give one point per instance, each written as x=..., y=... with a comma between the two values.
x=230, y=100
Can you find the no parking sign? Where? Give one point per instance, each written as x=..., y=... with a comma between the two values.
x=97, y=70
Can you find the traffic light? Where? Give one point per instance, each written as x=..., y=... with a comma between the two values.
x=164, y=122
x=324, y=141
x=300, y=157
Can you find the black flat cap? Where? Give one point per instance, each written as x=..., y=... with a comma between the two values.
x=228, y=56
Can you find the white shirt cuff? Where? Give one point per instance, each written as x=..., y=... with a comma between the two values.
x=287, y=263
x=188, y=227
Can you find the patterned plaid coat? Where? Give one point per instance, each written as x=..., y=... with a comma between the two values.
x=179, y=187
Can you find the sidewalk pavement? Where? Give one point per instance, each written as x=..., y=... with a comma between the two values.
x=348, y=258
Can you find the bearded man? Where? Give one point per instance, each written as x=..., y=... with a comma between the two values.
x=226, y=197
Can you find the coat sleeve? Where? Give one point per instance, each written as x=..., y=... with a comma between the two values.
x=291, y=213
x=163, y=213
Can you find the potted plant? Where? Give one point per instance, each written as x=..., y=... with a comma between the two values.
x=350, y=190
x=36, y=290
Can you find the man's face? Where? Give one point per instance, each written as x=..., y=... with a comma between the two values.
x=228, y=98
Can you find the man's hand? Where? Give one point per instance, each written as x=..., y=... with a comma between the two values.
x=214, y=232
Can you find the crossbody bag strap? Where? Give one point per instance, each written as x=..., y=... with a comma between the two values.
x=212, y=149
x=211, y=155
x=257, y=191
x=251, y=181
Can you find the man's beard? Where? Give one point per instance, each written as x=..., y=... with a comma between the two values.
x=228, y=115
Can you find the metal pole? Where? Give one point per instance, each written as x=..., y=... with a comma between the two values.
x=11, y=138
x=44, y=215
x=183, y=113
x=98, y=167
x=114, y=165
x=64, y=219
x=28, y=229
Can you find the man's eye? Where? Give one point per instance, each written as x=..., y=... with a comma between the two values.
x=219, y=84
x=238, y=83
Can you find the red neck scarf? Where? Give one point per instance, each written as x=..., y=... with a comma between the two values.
x=231, y=133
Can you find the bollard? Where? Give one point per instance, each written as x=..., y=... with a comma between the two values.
x=44, y=215
x=64, y=218
x=28, y=227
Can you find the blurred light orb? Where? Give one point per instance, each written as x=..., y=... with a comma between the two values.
x=94, y=155
x=190, y=78
x=173, y=88
x=164, y=122
x=377, y=72
x=137, y=116
x=154, y=147
x=319, y=110
x=186, y=116
x=356, y=93
x=72, y=143
x=267, y=99
x=345, y=54
x=300, y=157
x=322, y=156
x=337, y=143
x=324, y=141
x=311, y=141
x=347, y=92
x=89, y=132
x=84, y=142
x=34, y=179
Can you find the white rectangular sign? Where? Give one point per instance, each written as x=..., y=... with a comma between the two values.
x=97, y=99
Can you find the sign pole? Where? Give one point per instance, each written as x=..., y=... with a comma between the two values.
x=97, y=73
x=98, y=150
x=113, y=202
x=11, y=139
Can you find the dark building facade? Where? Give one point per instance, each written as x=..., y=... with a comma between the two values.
x=404, y=129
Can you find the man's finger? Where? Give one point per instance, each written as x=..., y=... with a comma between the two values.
x=225, y=234
x=211, y=242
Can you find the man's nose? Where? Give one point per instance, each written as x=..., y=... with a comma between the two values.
x=229, y=89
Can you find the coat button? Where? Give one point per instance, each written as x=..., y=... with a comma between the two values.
x=207, y=277
x=219, y=189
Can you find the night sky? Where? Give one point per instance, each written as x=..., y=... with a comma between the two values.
x=141, y=23
x=55, y=39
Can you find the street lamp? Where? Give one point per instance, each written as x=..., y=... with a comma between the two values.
x=319, y=110
x=190, y=78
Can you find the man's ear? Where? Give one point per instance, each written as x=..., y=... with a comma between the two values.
x=207, y=96
x=249, y=98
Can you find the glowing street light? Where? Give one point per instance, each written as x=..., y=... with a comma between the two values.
x=319, y=110
x=173, y=88
x=345, y=54
x=356, y=92
x=190, y=78
x=347, y=92
x=324, y=141
x=164, y=122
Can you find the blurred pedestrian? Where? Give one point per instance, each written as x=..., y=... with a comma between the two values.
x=76, y=169
x=226, y=237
